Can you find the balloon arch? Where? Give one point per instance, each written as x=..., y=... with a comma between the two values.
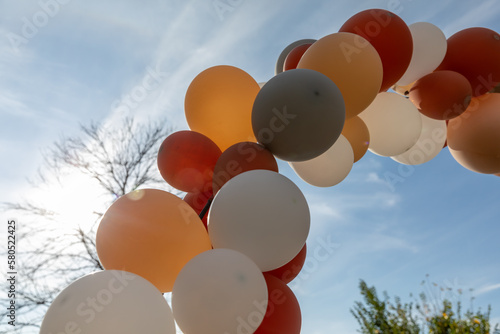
x=328, y=103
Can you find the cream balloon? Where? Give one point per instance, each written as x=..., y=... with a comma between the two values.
x=330, y=168
x=394, y=124
x=429, y=144
x=280, y=62
x=109, y=301
x=261, y=214
x=429, y=49
x=219, y=291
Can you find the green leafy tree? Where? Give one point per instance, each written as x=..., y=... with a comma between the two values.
x=433, y=316
x=380, y=316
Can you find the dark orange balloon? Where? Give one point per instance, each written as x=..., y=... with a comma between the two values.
x=198, y=201
x=475, y=53
x=186, y=160
x=283, y=314
x=441, y=95
x=389, y=35
x=289, y=271
x=356, y=132
x=239, y=158
x=293, y=58
x=474, y=138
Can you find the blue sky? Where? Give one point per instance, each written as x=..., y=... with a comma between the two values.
x=82, y=62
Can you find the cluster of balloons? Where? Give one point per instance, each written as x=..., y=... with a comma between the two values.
x=328, y=103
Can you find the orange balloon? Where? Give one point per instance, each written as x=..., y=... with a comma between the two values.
x=240, y=158
x=352, y=63
x=218, y=104
x=356, y=132
x=390, y=36
x=151, y=233
x=441, y=95
x=474, y=136
x=475, y=53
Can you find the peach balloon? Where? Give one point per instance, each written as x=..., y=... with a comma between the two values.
x=150, y=233
x=352, y=63
x=473, y=137
x=218, y=104
x=356, y=132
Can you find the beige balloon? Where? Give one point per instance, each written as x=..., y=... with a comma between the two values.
x=429, y=49
x=261, y=214
x=394, y=124
x=219, y=291
x=428, y=145
x=330, y=168
x=109, y=301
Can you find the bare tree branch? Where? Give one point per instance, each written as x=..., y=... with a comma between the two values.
x=120, y=158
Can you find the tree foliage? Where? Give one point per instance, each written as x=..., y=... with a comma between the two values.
x=118, y=158
x=383, y=316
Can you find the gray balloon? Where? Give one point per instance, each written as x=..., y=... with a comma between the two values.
x=281, y=59
x=298, y=114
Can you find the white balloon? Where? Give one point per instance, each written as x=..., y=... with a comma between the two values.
x=429, y=49
x=261, y=214
x=394, y=124
x=109, y=301
x=219, y=291
x=428, y=145
x=330, y=168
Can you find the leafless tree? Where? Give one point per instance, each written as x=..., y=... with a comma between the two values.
x=118, y=158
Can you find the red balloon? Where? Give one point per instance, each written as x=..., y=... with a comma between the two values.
x=186, y=160
x=441, y=95
x=198, y=201
x=293, y=58
x=283, y=314
x=389, y=35
x=475, y=53
x=289, y=271
x=239, y=158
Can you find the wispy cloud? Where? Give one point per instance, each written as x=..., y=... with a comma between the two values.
x=483, y=12
x=487, y=288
